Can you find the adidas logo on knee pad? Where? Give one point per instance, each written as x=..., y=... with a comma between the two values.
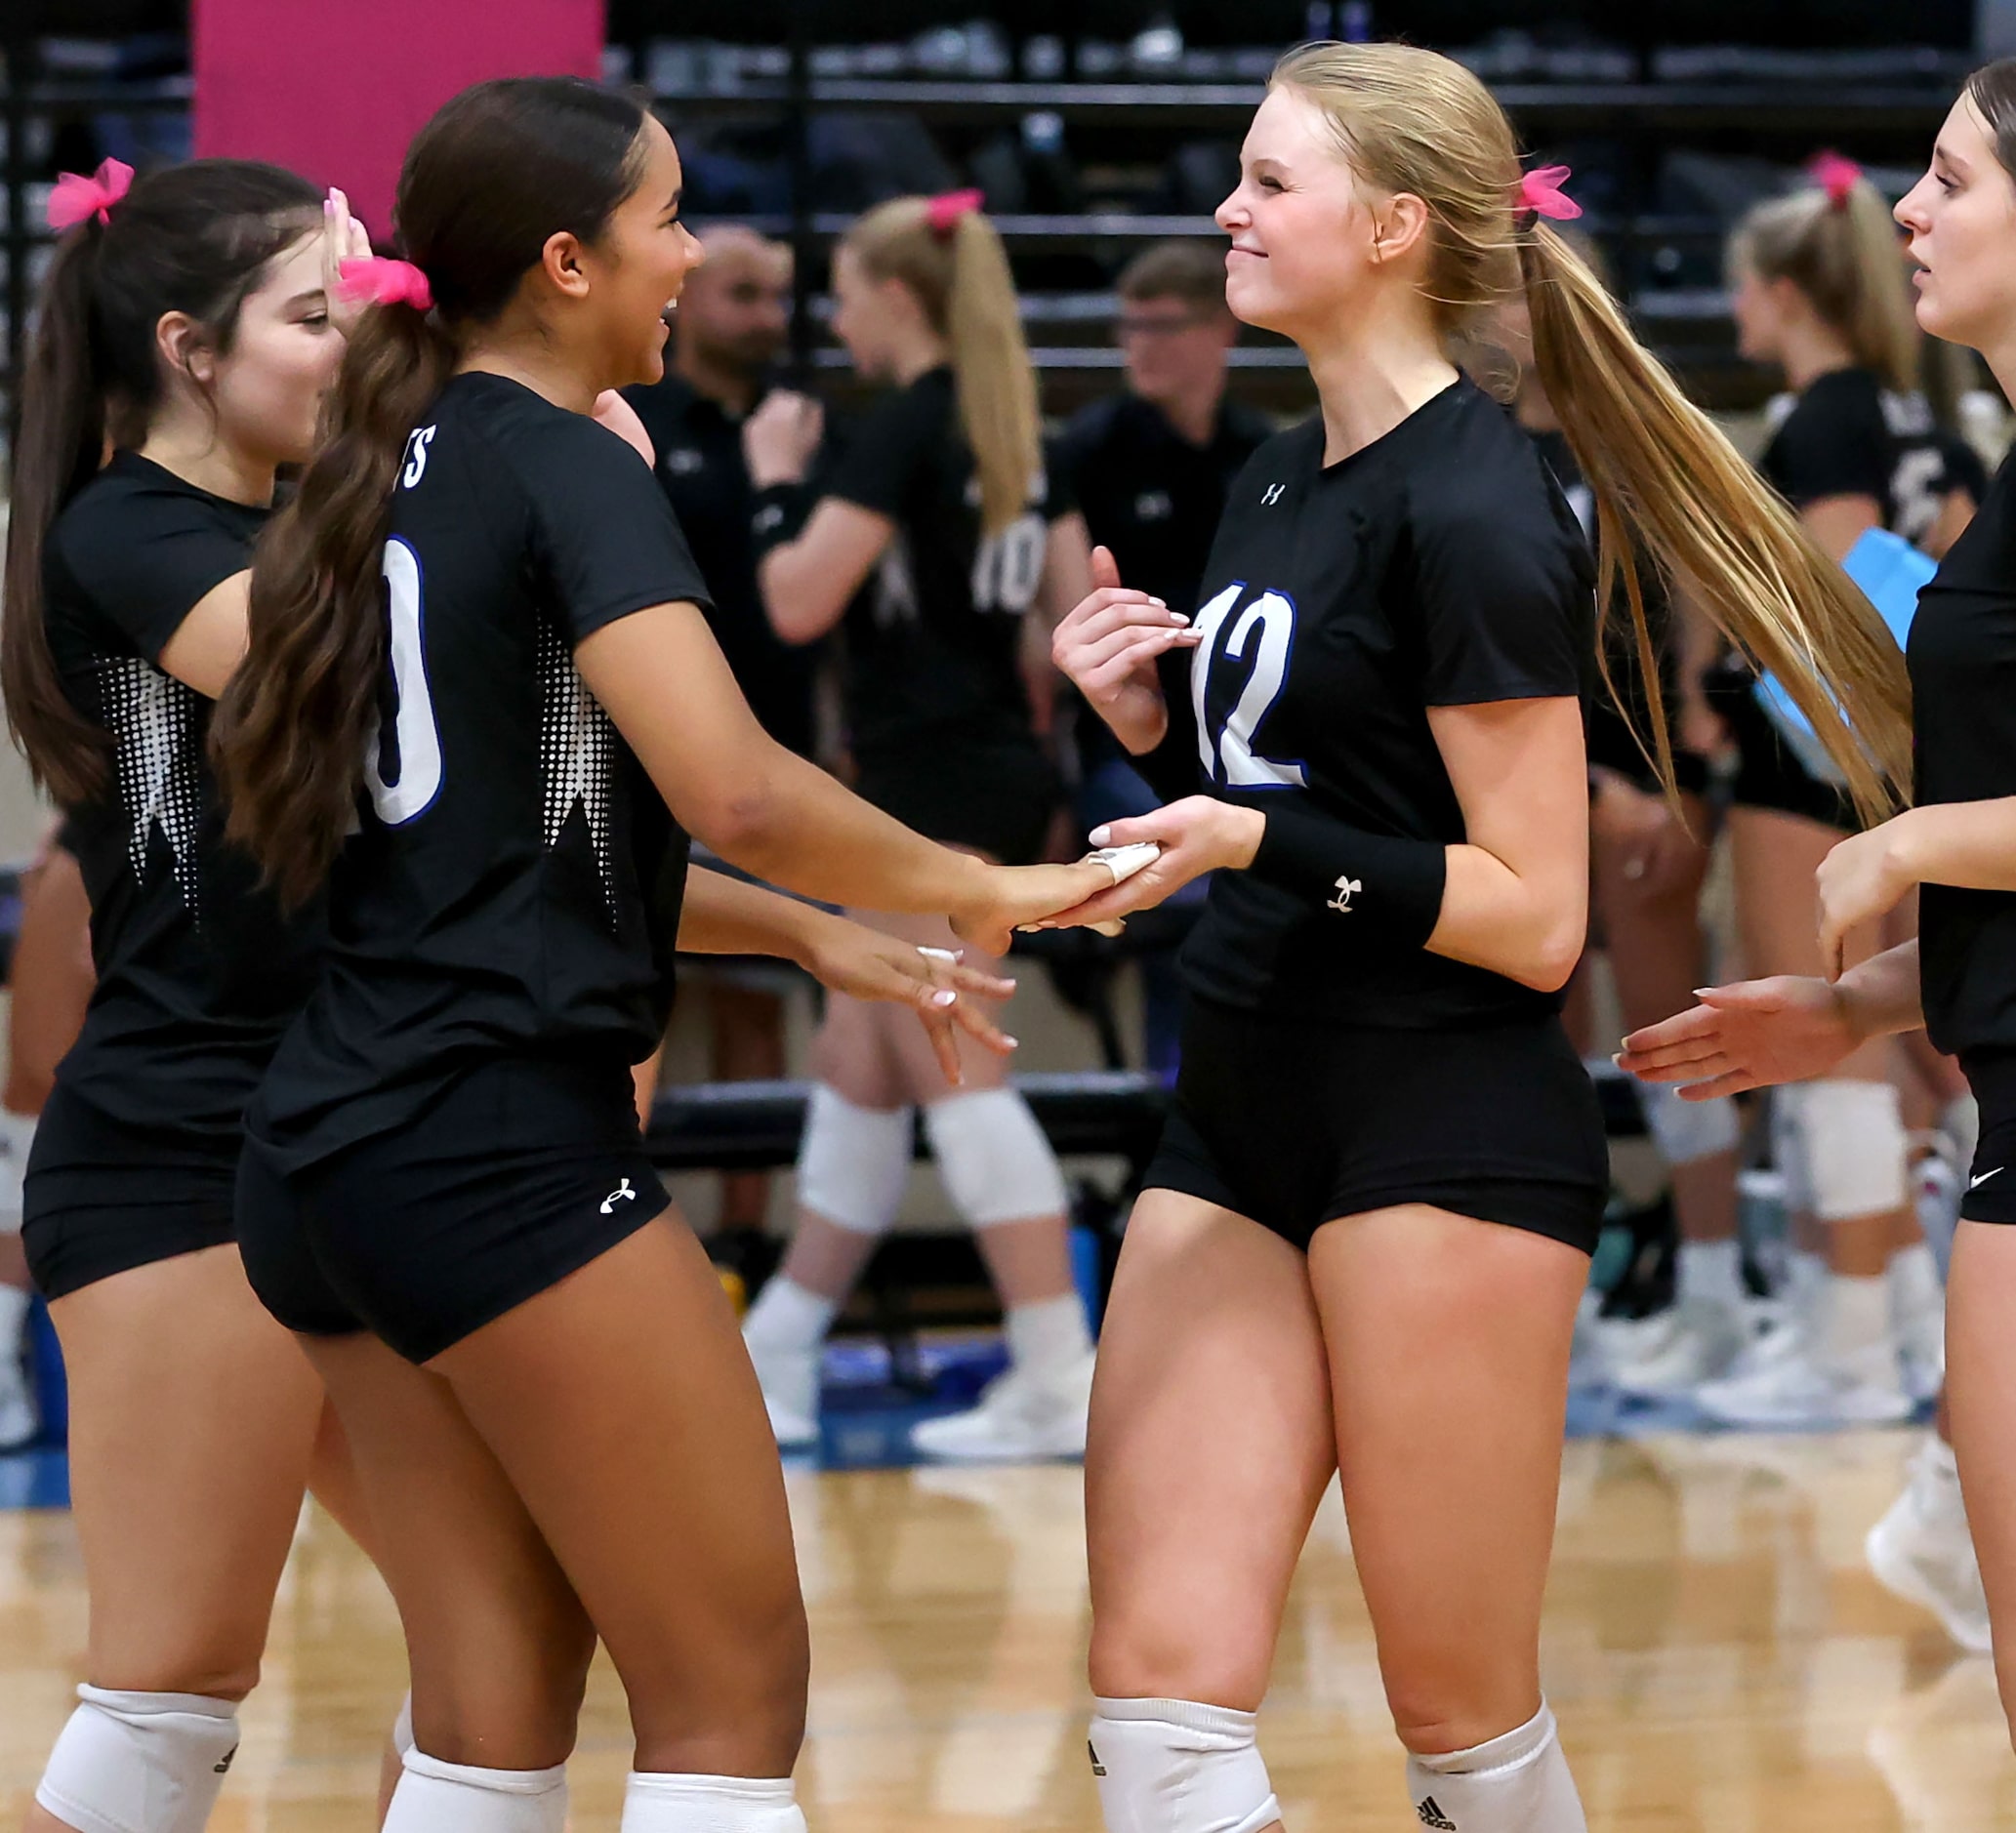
x=1431, y=1815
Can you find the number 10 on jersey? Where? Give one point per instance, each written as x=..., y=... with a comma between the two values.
x=1265, y=631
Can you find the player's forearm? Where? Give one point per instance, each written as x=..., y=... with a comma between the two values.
x=726, y=915
x=1968, y=845
x=792, y=825
x=1882, y=995
x=1528, y=928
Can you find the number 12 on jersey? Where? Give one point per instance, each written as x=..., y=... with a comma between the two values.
x=1265, y=631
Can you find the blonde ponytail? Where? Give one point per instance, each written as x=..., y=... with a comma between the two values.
x=1670, y=487
x=961, y=278
x=1668, y=484
x=1838, y=245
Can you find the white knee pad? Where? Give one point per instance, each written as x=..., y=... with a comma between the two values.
x=853, y=1163
x=996, y=1163
x=140, y=1762
x=1687, y=1131
x=436, y=1797
x=17, y=1137
x=1517, y=1784
x=1171, y=1766
x=710, y=1803
x=1850, y=1145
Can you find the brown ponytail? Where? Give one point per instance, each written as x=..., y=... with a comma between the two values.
x=1840, y=249
x=498, y=170
x=1669, y=485
x=961, y=278
x=194, y=238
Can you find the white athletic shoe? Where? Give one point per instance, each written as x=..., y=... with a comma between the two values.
x=1020, y=1418
x=790, y=1380
x=1799, y=1387
x=1701, y=1342
x=1921, y=1551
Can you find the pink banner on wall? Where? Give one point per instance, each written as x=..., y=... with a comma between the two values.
x=335, y=92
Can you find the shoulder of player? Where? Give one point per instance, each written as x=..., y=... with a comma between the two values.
x=542, y=447
x=1484, y=483
x=129, y=502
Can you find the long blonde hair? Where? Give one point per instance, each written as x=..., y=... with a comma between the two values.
x=960, y=276
x=1839, y=246
x=1669, y=485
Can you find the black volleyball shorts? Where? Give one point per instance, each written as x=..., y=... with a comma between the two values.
x=1294, y=1124
x=521, y=1173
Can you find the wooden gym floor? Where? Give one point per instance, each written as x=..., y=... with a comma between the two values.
x=1720, y=1659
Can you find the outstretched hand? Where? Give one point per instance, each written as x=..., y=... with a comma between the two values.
x=865, y=964
x=1198, y=834
x=1017, y=897
x=1752, y=1034
x=344, y=238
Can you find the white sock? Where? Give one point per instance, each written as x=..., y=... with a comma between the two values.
x=1049, y=1338
x=1710, y=1272
x=1805, y=1278
x=436, y=1797
x=1517, y=1784
x=789, y=1316
x=1855, y=1315
x=1914, y=1276
x=710, y=1803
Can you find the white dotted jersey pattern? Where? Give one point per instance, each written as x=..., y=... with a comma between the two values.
x=577, y=755
x=153, y=720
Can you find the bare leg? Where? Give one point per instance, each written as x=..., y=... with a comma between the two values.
x=1981, y=1406
x=1454, y=1586
x=192, y=1415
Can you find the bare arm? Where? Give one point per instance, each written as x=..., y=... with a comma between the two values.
x=662, y=679
x=209, y=643
x=807, y=583
x=1971, y=845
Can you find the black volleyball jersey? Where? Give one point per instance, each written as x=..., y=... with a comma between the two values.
x=514, y=883
x=1850, y=436
x=198, y=971
x=934, y=639
x=1963, y=657
x=1439, y=566
x=700, y=464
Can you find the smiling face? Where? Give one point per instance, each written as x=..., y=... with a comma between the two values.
x=636, y=267
x=1961, y=221
x=1311, y=241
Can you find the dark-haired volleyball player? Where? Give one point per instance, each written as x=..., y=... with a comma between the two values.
x=185, y=326
x=480, y=684
x=1363, y=1241
x=1958, y=846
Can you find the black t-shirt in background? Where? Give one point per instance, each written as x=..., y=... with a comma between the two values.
x=1963, y=657
x=1154, y=498
x=1847, y=435
x=1439, y=566
x=514, y=888
x=700, y=464
x=934, y=639
x=198, y=973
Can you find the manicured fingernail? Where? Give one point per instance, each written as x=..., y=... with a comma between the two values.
x=1100, y=837
x=1013, y=1043
x=1701, y=993
x=1163, y=602
x=1176, y=616
x=946, y=997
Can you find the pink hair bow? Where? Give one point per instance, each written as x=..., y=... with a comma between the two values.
x=75, y=199
x=385, y=283
x=1541, y=192
x=1836, y=175
x=944, y=210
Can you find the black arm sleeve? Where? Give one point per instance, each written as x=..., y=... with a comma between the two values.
x=1394, y=886
x=602, y=529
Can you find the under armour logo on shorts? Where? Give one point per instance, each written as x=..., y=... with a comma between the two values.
x=1347, y=890
x=621, y=1194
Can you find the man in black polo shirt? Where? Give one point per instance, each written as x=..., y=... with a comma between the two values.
x=1150, y=469
x=728, y=331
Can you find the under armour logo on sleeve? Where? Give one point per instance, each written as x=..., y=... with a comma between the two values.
x=1347, y=890
x=1272, y=495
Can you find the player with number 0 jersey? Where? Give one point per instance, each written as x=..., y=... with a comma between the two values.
x=1363, y=1241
